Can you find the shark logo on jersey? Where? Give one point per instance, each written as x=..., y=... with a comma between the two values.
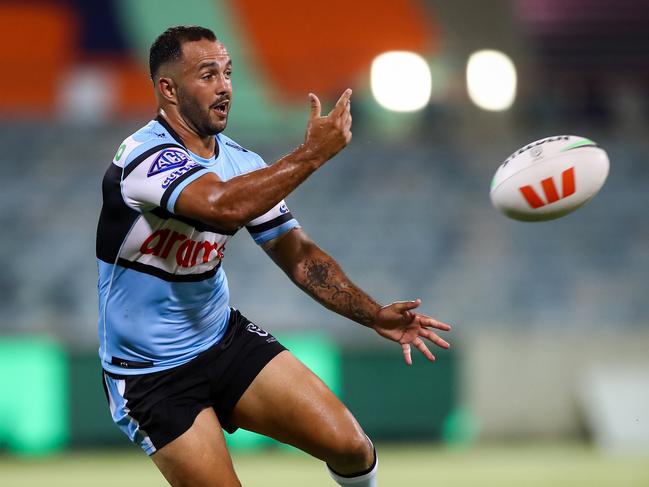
x=167, y=160
x=252, y=328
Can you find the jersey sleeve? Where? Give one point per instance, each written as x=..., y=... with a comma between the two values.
x=156, y=177
x=275, y=222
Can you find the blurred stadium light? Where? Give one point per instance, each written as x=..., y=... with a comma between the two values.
x=401, y=81
x=491, y=80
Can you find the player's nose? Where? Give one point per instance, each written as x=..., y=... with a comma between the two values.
x=224, y=86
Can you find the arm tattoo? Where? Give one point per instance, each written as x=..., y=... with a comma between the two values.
x=325, y=281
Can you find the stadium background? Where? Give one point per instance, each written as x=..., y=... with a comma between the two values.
x=548, y=374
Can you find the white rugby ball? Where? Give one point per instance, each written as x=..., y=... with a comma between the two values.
x=549, y=178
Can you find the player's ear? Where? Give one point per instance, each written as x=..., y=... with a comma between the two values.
x=167, y=88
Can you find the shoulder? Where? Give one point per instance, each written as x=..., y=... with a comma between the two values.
x=245, y=158
x=145, y=142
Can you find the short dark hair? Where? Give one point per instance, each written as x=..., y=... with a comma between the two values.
x=168, y=46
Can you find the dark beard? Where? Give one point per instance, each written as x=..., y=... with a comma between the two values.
x=192, y=112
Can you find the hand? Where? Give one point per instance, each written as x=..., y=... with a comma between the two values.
x=328, y=135
x=398, y=323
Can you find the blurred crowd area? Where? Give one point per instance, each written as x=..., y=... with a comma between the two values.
x=405, y=208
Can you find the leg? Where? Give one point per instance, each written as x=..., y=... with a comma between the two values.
x=199, y=457
x=286, y=401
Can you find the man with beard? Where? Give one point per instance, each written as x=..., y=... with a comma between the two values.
x=179, y=363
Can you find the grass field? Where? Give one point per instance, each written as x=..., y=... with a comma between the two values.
x=413, y=465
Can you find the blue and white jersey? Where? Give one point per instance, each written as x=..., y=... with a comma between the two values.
x=163, y=296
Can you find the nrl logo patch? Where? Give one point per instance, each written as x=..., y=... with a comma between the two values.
x=167, y=160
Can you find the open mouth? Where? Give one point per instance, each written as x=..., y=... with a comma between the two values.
x=221, y=109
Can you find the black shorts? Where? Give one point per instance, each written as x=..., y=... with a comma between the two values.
x=154, y=409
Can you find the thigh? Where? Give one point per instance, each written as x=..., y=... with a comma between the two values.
x=199, y=457
x=288, y=402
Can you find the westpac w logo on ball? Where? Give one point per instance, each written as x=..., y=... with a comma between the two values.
x=550, y=190
x=568, y=169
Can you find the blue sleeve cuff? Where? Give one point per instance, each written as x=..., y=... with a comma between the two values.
x=265, y=236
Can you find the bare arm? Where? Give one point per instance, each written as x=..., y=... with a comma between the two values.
x=233, y=203
x=320, y=276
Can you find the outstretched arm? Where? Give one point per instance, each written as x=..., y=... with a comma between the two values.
x=320, y=276
x=233, y=203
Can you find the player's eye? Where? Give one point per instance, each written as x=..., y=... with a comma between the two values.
x=228, y=74
x=207, y=76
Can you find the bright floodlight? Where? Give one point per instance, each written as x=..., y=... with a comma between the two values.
x=491, y=80
x=401, y=81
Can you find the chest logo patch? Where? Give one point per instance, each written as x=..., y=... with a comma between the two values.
x=167, y=160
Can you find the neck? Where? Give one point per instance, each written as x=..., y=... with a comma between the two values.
x=202, y=145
